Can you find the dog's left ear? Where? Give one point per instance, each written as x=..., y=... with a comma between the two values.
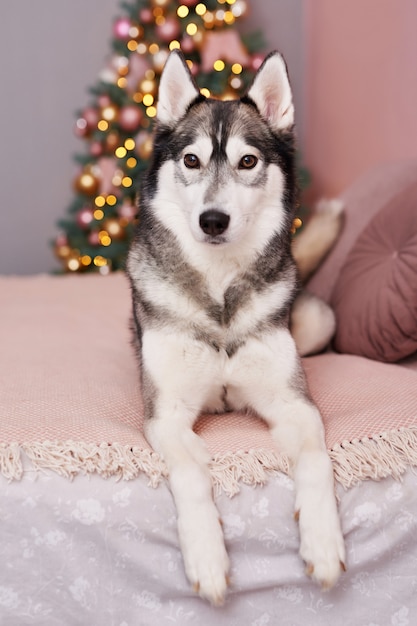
x=177, y=90
x=271, y=92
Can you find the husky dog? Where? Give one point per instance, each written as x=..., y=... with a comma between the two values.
x=213, y=281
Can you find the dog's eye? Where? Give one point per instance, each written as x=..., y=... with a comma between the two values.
x=247, y=162
x=191, y=161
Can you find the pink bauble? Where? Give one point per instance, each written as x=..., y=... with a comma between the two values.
x=146, y=16
x=257, y=60
x=104, y=100
x=91, y=116
x=130, y=117
x=128, y=211
x=187, y=44
x=81, y=127
x=121, y=28
x=195, y=68
x=96, y=148
x=189, y=3
x=61, y=240
x=94, y=238
x=169, y=29
x=84, y=217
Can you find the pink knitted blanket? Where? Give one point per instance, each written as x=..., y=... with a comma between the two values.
x=69, y=396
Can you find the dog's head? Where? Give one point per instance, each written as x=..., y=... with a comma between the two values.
x=224, y=170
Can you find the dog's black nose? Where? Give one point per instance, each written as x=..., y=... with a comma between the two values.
x=214, y=222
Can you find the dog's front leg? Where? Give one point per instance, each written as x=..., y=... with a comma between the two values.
x=179, y=375
x=268, y=378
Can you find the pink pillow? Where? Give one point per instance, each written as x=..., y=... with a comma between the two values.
x=375, y=298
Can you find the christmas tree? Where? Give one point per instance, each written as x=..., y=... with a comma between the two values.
x=117, y=124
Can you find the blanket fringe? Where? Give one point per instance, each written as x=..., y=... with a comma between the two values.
x=387, y=454
x=376, y=457
x=10, y=461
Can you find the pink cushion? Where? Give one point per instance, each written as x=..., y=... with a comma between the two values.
x=362, y=201
x=375, y=298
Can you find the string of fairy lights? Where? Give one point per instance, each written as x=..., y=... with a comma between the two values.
x=117, y=125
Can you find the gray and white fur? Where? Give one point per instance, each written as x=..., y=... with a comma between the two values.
x=213, y=283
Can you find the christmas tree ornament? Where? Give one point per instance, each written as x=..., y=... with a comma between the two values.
x=145, y=16
x=62, y=251
x=148, y=86
x=144, y=145
x=86, y=183
x=198, y=37
x=257, y=60
x=96, y=148
x=161, y=4
x=72, y=261
x=61, y=240
x=128, y=210
x=209, y=20
x=121, y=28
x=121, y=65
x=130, y=117
x=187, y=44
x=169, y=29
x=110, y=112
x=103, y=100
x=239, y=8
x=81, y=128
x=236, y=83
x=84, y=217
x=114, y=228
x=159, y=60
x=93, y=238
x=91, y=116
x=109, y=76
x=189, y=3
x=112, y=140
x=228, y=94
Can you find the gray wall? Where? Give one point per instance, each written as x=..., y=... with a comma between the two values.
x=51, y=52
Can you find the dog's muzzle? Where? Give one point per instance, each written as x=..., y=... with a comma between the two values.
x=213, y=222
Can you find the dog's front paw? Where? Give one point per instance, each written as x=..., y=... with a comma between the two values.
x=205, y=558
x=322, y=546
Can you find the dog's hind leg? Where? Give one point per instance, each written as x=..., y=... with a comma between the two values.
x=268, y=379
x=318, y=236
x=312, y=323
x=180, y=370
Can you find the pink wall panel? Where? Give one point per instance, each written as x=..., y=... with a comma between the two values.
x=361, y=87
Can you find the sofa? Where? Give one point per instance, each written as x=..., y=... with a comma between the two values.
x=88, y=528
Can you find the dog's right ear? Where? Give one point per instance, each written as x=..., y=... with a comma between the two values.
x=177, y=90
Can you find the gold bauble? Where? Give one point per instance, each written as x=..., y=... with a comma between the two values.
x=112, y=141
x=62, y=251
x=236, y=82
x=159, y=60
x=228, y=94
x=110, y=113
x=162, y=4
x=144, y=146
x=114, y=228
x=87, y=183
x=148, y=86
x=73, y=262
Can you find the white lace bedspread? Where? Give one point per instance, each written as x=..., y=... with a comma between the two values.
x=101, y=552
